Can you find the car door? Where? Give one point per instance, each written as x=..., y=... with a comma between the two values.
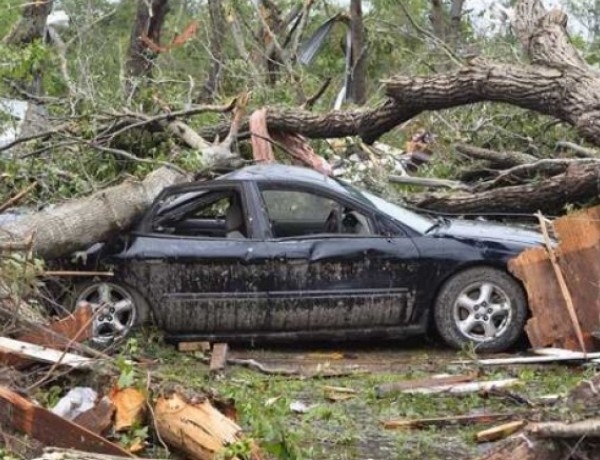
x=326, y=278
x=199, y=276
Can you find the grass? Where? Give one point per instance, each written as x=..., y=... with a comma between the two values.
x=352, y=429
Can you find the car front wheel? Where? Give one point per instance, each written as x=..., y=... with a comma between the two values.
x=117, y=309
x=481, y=306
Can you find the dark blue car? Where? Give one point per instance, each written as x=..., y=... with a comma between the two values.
x=282, y=252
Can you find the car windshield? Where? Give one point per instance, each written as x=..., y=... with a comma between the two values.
x=412, y=219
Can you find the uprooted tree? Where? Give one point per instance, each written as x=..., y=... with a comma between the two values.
x=557, y=82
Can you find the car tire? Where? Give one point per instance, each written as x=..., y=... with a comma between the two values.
x=124, y=310
x=482, y=307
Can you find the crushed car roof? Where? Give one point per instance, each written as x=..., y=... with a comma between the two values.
x=277, y=172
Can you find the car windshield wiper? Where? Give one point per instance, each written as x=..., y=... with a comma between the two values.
x=440, y=221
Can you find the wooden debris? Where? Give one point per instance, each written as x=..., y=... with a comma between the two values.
x=530, y=359
x=196, y=429
x=54, y=453
x=334, y=394
x=586, y=428
x=465, y=388
x=26, y=417
x=76, y=327
x=193, y=346
x=578, y=258
x=10, y=348
x=130, y=407
x=445, y=421
x=562, y=283
x=218, y=359
x=522, y=448
x=397, y=387
x=500, y=431
x=99, y=418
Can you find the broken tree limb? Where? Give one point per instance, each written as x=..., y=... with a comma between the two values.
x=78, y=223
x=500, y=431
x=493, y=157
x=428, y=182
x=396, y=387
x=586, y=428
x=464, y=388
x=445, y=421
x=522, y=448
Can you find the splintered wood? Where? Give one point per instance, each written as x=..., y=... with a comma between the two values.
x=196, y=428
x=578, y=258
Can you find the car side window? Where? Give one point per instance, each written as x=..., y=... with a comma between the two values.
x=293, y=213
x=208, y=213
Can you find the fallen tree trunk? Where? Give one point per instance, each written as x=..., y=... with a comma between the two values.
x=79, y=223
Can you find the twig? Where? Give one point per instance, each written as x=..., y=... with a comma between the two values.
x=130, y=156
x=15, y=199
x=562, y=283
x=315, y=97
x=75, y=273
x=253, y=364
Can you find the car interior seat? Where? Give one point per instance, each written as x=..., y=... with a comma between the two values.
x=234, y=219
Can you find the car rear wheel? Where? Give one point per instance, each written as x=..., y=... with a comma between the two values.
x=481, y=306
x=117, y=309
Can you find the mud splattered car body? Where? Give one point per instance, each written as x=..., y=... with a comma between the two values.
x=283, y=252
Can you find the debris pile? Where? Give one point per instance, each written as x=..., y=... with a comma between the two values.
x=113, y=417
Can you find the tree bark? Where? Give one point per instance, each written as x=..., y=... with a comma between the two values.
x=79, y=223
x=456, y=9
x=358, y=75
x=32, y=25
x=578, y=184
x=150, y=17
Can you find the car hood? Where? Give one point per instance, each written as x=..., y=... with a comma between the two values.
x=479, y=230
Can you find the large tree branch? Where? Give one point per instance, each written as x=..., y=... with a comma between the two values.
x=368, y=124
x=570, y=94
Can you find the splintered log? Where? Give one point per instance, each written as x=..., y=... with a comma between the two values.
x=578, y=256
x=24, y=416
x=79, y=223
x=196, y=429
x=10, y=348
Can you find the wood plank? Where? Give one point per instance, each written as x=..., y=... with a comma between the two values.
x=42, y=425
x=10, y=348
x=218, y=359
x=529, y=359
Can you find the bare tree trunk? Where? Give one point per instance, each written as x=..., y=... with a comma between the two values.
x=32, y=25
x=217, y=26
x=147, y=27
x=455, y=20
x=358, y=76
x=436, y=16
